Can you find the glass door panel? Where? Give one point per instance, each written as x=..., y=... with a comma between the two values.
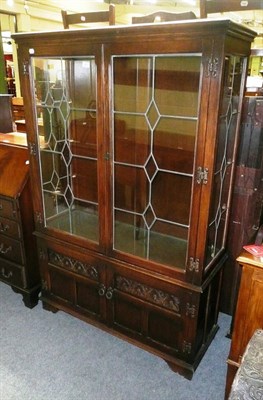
x=155, y=107
x=66, y=108
x=224, y=156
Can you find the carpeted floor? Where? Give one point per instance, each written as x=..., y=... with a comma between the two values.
x=46, y=356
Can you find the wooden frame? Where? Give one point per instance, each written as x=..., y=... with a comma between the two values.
x=89, y=17
x=163, y=16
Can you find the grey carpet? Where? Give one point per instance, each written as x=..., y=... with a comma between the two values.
x=46, y=356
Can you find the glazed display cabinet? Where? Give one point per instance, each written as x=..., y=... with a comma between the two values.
x=133, y=169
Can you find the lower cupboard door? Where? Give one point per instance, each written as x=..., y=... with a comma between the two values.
x=81, y=294
x=148, y=324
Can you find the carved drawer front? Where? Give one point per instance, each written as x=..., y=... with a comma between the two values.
x=10, y=228
x=11, y=249
x=73, y=264
x=12, y=274
x=149, y=293
x=7, y=208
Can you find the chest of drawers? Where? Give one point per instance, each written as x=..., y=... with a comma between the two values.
x=18, y=260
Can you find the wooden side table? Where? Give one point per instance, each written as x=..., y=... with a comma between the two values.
x=249, y=312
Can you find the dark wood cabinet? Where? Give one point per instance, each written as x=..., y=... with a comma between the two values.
x=18, y=251
x=133, y=173
x=249, y=312
x=6, y=120
x=247, y=195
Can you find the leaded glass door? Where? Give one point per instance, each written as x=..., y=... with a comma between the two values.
x=66, y=106
x=155, y=114
x=226, y=144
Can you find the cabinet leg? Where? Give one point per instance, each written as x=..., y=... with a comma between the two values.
x=186, y=373
x=49, y=307
x=30, y=298
x=15, y=289
x=231, y=372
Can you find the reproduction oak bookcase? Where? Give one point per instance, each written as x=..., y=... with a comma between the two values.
x=133, y=174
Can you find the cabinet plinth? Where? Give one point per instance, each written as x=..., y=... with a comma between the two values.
x=133, y=169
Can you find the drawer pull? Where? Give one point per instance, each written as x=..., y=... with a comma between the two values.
x=4, y=250
x=102, y=290
x=6, y=275
x=109, y=293
x=3, y=228
x=1, y=206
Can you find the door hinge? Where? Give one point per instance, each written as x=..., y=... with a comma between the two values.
x=32, y=148
x=202, y=175
x=193, y=264
x=44, y=284
x=190, y=310
x=212, y=67
x=25, y=68
x=107, y=156
x=42, y=254
x=38, y=218
x=187, y=347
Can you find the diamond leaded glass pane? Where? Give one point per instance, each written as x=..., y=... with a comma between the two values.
x=66, y=108
x=154, y=127
x=224, y=157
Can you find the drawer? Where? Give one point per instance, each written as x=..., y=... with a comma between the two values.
x=7, y=208
x=11, y=249
x=12, y=274
x=10, y=228
x=87, y=267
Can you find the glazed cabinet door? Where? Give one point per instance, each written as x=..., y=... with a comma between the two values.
x=155, y=133
x=68, y=124
x=174, y=136
x=220, y=176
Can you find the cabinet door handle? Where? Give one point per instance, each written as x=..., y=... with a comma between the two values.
x=6, y=275
x=109, y=293
x=4, y=250
x=1, y=206
x=102, y=290
x=3, y=228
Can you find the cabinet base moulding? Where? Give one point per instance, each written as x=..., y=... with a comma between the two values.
x=176, y=365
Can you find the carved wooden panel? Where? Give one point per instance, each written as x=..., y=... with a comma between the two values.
x=74, y=265
x=148, y=293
